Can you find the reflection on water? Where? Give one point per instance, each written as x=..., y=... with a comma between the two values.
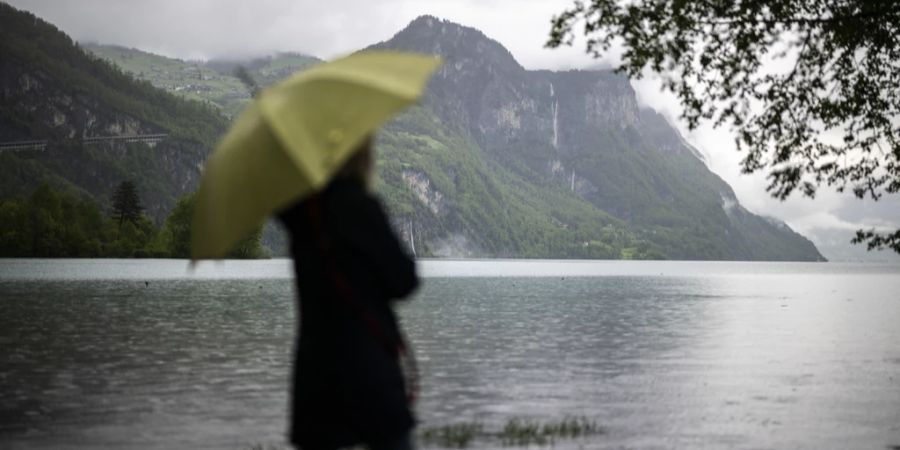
x=662, y=355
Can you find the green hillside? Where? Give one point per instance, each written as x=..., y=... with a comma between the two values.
x=208, y=81
x=56, y=93
x=473, y=206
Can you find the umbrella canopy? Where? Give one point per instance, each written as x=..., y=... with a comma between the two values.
x=290, y=141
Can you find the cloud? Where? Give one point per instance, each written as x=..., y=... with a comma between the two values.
x=203, y=29
x=212, y=28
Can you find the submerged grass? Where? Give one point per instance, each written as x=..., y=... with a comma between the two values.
x=516, y=432
x=458, y=435
x=519, y=432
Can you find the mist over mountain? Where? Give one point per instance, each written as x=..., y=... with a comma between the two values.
x=212, y=81
x=497, y=161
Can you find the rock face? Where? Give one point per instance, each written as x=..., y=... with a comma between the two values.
x=584, y=132
x=56, y=112
x=420, y=185
x=163, y=171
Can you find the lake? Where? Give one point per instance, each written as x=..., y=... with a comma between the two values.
x=151, y=354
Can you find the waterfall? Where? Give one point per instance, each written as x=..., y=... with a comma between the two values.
x=555, y=118
x=555, y=124
x=412, y=240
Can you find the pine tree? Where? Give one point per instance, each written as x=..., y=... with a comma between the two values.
x=126, y=203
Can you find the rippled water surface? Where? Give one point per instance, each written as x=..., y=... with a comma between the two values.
x=154, y=354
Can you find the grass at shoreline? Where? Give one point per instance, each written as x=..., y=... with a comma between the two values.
x=515, y=433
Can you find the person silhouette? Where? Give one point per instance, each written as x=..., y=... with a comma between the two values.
x=349, y=383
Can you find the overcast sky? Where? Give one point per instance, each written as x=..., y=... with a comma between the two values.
x=203, y=29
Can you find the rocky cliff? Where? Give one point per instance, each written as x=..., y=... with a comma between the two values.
x=584, y=132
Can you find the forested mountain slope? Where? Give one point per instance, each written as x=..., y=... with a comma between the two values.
x=80, y=109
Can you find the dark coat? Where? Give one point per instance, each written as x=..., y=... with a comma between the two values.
x=349, y=265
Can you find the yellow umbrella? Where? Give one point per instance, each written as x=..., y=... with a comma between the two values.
x=291, y=140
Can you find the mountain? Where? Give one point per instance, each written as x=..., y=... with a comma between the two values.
x=91, y=126
x=583, y=132
x=497, y=161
